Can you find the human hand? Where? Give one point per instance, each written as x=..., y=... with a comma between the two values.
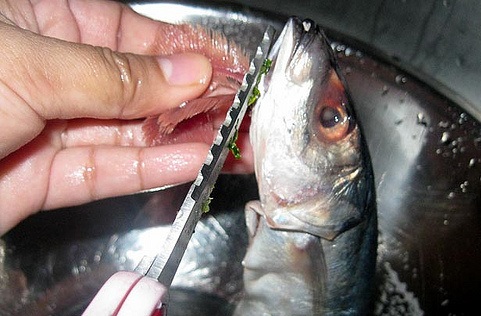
x=71, y=113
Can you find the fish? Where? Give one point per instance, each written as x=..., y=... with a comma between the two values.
x=313, y=231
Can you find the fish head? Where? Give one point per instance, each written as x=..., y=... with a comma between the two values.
x=311, y=162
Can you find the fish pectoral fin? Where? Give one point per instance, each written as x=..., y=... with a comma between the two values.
x=317, y=220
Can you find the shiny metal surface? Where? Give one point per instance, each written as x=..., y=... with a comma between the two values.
x=426, y=154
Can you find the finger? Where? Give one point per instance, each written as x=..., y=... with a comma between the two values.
x=79, y=175
x=44, y=78
x=89, y=132
x=59, y=79
x=84, y=174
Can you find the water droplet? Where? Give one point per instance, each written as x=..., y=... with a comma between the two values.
x=415, y=273
x=445, y=222
x=443, y=124
x=462, y=119
x=445, y=138
x=451, y=195
x=348, y=51
x=445, y=303
x=472, y=161
x=97, y=256
x=74, y=270
x=439, y=151
x=400, y=79
x=421, y=120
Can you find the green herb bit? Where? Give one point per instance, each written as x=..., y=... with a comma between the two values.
x=206, y=205
x=266, y=65
x=234, y=149
x=255, y=95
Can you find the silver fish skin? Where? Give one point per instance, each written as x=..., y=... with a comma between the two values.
x=313, y=233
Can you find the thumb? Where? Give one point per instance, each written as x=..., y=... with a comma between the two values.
x=45, y=78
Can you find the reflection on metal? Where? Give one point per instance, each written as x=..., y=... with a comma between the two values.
x=426, y=154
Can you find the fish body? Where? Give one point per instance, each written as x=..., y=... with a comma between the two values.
x=313, y=233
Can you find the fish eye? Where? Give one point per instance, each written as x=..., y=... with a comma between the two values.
x=333, y=123
x=330, y=117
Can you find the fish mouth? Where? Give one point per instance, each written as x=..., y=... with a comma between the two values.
x=306, y=31
x=299, y=51
x=296, y=34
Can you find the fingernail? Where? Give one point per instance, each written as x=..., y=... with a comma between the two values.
x=186, y=69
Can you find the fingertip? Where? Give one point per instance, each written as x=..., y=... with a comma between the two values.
x=179, y=78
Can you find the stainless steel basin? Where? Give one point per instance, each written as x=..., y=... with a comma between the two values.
x=426, y=151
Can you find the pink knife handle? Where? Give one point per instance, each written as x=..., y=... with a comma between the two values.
x=127, y=294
